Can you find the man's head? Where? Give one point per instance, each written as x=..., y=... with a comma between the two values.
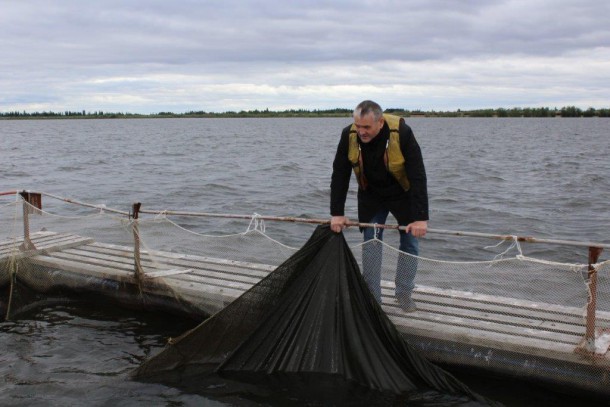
x=368, y=118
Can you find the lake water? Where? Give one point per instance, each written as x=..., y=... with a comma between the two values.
x=548, y=178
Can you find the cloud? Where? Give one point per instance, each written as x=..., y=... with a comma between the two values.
x=150, y=56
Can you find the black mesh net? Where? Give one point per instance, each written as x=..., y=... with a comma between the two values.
x=312, y=316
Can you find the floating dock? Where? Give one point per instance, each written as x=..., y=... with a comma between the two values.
x=538, y=341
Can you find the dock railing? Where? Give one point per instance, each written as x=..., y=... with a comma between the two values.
x=32, y=201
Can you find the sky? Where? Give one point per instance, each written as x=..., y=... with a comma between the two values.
x=149, y=56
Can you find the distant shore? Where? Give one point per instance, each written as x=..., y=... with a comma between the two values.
x=568, y=111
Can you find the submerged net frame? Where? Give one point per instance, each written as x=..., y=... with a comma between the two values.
x=187, y=262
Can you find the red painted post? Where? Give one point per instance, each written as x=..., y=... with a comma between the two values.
x=136, y=240
x=594, y=253
x=31, y=200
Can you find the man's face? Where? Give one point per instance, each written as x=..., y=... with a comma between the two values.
x=367, y=127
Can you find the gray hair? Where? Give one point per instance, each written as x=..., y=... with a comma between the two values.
x=366, y=107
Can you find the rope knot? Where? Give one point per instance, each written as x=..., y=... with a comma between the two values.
x=515, y=244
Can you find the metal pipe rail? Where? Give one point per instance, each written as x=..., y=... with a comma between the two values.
x=383, y=226
x=527, y=239
x=595, y=249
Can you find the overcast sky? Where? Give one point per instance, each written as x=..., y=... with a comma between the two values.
x=147, y=56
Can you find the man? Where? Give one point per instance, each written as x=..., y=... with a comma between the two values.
x=387, y=162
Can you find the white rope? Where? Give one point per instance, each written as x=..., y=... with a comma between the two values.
x=575, y=267
x=258, y=222
x=161, y=216
x=101, y=207
x=54, y=215
x=259, y=227
x=515, y=244
x=143, y=223
x=255, y=229
x=598, y=266
x=376, y=231
x=458, y=262
x=273, y=240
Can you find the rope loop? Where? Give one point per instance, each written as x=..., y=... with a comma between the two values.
x=101, y=207
x=257, y=223
x=376, y=231
x=515, y=244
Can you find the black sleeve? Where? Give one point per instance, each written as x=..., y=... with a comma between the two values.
x=342, y=170
x=416, y=173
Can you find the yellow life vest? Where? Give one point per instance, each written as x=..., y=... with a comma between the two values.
x=393, y=158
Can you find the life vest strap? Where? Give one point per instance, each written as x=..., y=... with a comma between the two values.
x=362, y=178
x=386, y=155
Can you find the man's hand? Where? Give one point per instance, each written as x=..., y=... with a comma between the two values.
x=418, y=228
x=338, y=223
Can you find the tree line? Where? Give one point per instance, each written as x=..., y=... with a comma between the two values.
x=568, y=111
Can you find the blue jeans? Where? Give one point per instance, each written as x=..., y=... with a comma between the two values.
x=372, y=255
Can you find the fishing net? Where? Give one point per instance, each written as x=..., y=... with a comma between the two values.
x=312, y=314
x=513, y=313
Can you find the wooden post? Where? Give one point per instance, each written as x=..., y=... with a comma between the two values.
x=29, y=199
x=594, y=253
x=136, y=241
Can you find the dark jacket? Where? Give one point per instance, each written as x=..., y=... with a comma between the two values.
x=383, y=191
